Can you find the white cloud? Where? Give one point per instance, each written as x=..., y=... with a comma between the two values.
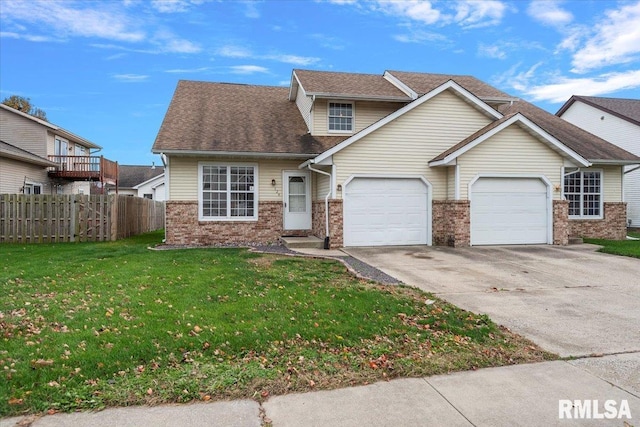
x=416, y=10
x=171, y=6
x=519, y=80
x=169, y=42
x=420, y=36
x=562, y=88
x=188, y=70
x=465, y=13
x=97, y=20
x=549, y=13
x=248, y=69
x=251, y=10
x=615, y=40
x=234, y=51
x=292, y=59
x=130, y=78
x=494, y=51
x=476, y=14
x=28, y=37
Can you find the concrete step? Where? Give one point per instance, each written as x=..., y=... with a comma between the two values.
x=575, y=240
x=302, y=242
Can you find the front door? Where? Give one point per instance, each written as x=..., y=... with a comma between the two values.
x=297, y=200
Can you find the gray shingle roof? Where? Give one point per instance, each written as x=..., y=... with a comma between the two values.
x=627, y=109
x=249, y=119
x=347, y=85
x=237, y=118
x=131, y=175
x=582, y=142
x=422, y=83
x=11, y=151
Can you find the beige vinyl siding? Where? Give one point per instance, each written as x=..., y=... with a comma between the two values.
x=183, y=176
x=23, y=133
x=323, y=184
x=304, y=104
x=405, y=145
x=365, y=113
x=14, y=173
x=451, y=183
x=511, y=151
x=612, y=182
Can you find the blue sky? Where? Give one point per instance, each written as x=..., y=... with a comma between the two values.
x=106, y=70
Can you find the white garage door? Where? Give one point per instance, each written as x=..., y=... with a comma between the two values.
x=385, y=211
x=509, y=211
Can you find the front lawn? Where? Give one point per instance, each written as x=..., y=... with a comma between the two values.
x=114, y=324
x=619, y=247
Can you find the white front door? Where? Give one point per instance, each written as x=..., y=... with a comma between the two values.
x=297, y=200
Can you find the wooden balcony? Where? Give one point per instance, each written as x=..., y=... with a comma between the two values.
x=93, y=168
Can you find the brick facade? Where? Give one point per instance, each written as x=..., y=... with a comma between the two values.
x=183, y=227
x=612, y=226
x=451, y=223
x=560, y=222
x=336, y=222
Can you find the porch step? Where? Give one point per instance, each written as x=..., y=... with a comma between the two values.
x=302, y=242
x=575, y=240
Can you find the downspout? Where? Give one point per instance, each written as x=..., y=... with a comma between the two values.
x=326, y=205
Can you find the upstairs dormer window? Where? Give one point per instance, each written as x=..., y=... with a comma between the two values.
x=340, y=117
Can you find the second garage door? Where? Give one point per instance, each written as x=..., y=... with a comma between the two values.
x=509, y=211
x=385, y=211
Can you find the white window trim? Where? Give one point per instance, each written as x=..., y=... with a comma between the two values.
x=353, y=116
x=57, y=146
x=564, y=197
x=229, y=218
x=32, y=185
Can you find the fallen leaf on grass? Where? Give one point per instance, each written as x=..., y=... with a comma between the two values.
x=41, y=363
x=16, y=401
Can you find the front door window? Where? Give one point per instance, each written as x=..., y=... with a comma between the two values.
x=297, y=194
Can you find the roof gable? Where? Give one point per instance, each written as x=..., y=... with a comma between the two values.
x=328, y=84
x=589, y=146
x=12, y=152
x=131, y=175
x=626, y=109
x=236, y=119
x=494, y=128
x=57, y=129
x=449, y=85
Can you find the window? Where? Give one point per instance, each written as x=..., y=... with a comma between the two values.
x=228, y=192
x=340, y=117
x=32, y=188
x=148, y=196
x=583, y=190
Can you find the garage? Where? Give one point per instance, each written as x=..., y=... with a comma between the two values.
x=509, y=211
x=386, y=211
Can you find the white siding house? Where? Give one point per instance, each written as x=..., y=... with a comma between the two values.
x=617, y=121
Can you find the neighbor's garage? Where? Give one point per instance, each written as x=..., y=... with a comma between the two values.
x=385, y=211
x=509, y=211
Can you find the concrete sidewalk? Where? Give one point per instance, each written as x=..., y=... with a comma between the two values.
x=519, y=395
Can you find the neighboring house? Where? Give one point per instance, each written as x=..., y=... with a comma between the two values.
x=39, y=157
x=618, y=121
x=141, y=181
x=393, y=159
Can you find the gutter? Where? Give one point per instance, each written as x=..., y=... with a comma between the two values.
x=326, y=202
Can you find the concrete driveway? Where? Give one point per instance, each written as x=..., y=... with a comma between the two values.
x=570, y=300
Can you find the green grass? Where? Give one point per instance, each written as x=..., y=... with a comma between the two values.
x=629, y=248
x=114, y=324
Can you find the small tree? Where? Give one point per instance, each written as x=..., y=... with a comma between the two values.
x=23, y=104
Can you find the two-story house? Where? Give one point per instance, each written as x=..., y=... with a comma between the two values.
x=393, y=159
x=38, y=157
x=616, y=120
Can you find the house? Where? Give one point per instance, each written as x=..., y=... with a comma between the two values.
x=141, y=181
x=617, y=121
x=38, y=157
x=400, y=158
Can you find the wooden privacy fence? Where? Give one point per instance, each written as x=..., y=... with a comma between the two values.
x=38, y=218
